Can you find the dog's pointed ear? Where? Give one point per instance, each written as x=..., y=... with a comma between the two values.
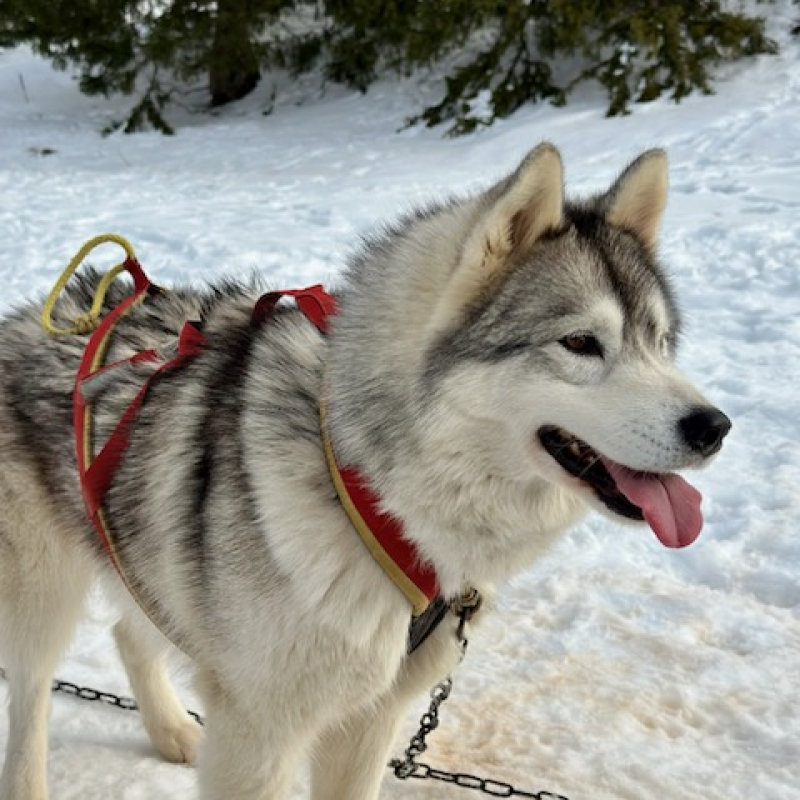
x=515, y=214
x=530, y=203
x=637, y=200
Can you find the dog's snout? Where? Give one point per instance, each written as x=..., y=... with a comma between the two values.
x=704, y=429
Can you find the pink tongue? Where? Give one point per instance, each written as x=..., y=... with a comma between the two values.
x=670, y=505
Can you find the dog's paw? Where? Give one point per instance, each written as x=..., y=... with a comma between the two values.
x=178, y=743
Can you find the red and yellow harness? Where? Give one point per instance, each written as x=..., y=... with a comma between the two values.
x=381, y=533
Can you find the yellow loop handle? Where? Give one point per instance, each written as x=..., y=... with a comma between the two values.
x=87, y=322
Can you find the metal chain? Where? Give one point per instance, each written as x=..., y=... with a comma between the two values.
x=118, y=701
x=95, y=695
x=408, y=767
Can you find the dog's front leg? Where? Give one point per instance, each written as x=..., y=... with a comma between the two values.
x=248, y=753
x=350, y=758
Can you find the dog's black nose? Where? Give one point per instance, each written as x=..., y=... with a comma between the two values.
x=704, y=429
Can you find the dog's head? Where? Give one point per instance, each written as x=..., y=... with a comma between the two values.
x=572, y=326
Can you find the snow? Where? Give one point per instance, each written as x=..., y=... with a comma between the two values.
x=615, y=668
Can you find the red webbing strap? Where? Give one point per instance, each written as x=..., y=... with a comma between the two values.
x=382, y=534
x=98, y=477
x=91, y=361
x=388, y=532
x=313, y=301
x=96, y=474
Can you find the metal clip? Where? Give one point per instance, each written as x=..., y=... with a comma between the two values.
x=465, y=607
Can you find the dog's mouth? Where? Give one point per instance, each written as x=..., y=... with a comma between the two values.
x=669, y=504
x=586, y=464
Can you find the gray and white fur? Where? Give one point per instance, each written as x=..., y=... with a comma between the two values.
x=446, y=360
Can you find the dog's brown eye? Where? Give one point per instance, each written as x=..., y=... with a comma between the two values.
x=582, y=344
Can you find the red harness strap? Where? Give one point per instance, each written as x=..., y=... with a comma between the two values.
x=98, y=477
x=313, y=301
x=93, y=483
x=381, y=533
x=397, y=556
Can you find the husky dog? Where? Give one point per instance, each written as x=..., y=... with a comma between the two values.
x=499, y=365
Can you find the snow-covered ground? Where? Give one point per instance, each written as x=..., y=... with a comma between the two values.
x=616, y=670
